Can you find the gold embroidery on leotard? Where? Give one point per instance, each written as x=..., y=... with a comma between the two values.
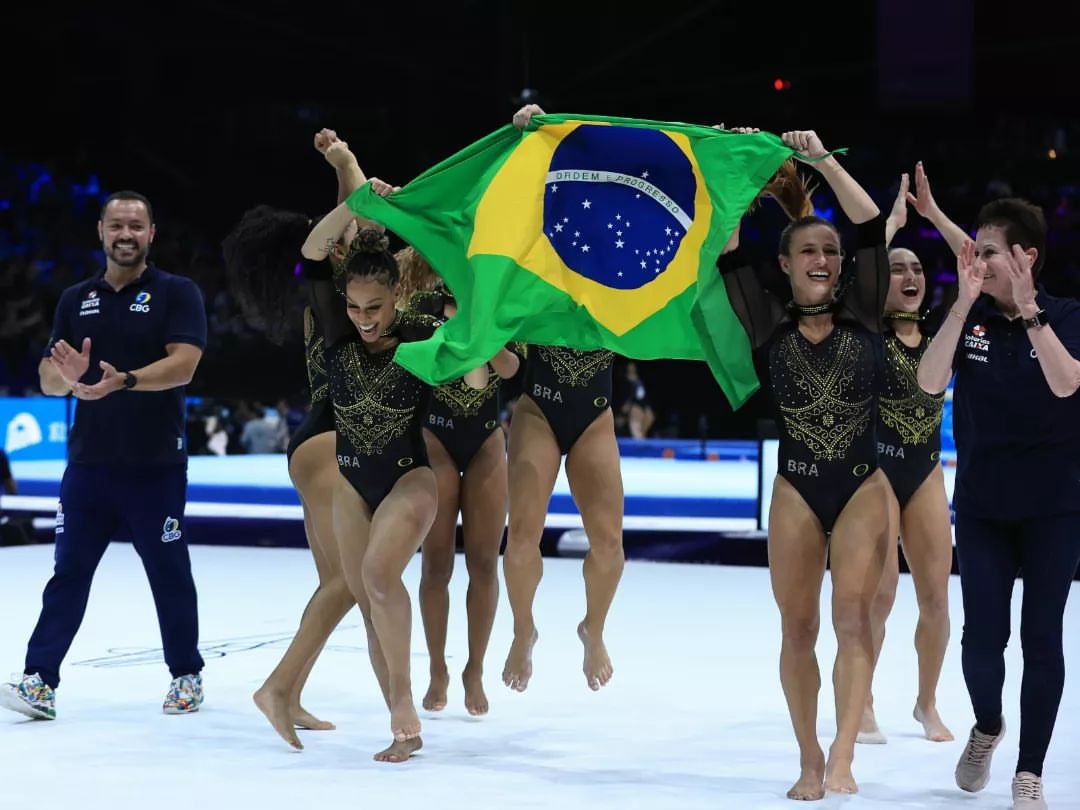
x=831, y=419
x=316, y=368
x=914, y=414
x=364, y=418
x=574, y=367
x=462, y=400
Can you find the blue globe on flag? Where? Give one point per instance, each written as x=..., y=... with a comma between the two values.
x=617, y=203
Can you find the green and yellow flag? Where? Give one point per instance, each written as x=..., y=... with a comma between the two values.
x=587, y=232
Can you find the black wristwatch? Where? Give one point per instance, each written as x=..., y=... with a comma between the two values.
x=129, y=380
x=1038, y=319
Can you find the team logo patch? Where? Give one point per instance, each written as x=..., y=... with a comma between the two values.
x=977, y=344
x=142, y=302
x=170, y=530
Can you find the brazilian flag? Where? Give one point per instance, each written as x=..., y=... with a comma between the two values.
x=588, y=232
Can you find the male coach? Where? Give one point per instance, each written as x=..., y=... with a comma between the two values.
x=125, y=343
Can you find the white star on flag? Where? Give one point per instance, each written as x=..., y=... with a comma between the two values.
x=586, y=204
x=618, y=243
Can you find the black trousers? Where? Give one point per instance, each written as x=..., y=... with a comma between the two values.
x=100, y=503
x=1046, y=552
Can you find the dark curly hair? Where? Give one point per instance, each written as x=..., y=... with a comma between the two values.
x=261, y=256
x=369, y=256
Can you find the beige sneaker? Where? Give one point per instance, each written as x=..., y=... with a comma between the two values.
x=973, y=769
x=1027, y=792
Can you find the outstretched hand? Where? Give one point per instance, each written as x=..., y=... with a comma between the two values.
x=110, y=382
x=922, y=199
x=1020, y=263
x=969, y=273
x=70, y=364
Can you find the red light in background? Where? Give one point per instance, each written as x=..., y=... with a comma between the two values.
x=781, y=84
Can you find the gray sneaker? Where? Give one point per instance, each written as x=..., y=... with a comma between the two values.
x=1027, y=792
x=973, y=769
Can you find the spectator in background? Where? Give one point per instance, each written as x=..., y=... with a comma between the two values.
x=634, y=415
x=266, y=433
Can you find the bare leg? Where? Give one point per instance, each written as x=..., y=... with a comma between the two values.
x=352, y=526
x=532, y=468
x=869, y=732
x=796, y=569
x=483, y=511
x=314, y=472
x=857, y=555
x=398, y=527
x=928, y=550
x=437, y=568
x=593, y=471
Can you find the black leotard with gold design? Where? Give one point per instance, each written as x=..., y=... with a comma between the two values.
x=378, y=406
x=825, y=394
x=909, y=423
x=571, y=388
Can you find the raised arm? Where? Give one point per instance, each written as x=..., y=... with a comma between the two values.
x=897, y=218
x=1059, y=367
x=925, y=204
x=936, y=365
x=857, y=205
x=758, y=311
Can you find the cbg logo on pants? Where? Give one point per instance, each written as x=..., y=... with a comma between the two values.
x=171, y=530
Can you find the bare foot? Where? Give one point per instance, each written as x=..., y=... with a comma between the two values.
x=404, y=722
x=435, y=699
x=476, y=702
x=838, y=776
x=275, y=705
x=597, y=666
x=934, y=729
x=302, y=718
x=399, y=751
x=810, y=787
x=869, y=733
x=518, y=668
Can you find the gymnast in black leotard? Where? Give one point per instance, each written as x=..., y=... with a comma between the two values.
x=467, y=451
x=909, y=444
x=261, y=254
x=320, y=416
x=564, y=409
x=570, y=387
x=385, y=499
x=820, y=358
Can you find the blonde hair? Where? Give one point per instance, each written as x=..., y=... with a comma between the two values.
x=790, y=190
x=416, y=274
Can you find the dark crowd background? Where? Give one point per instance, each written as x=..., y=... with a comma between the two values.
x=210, y=109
